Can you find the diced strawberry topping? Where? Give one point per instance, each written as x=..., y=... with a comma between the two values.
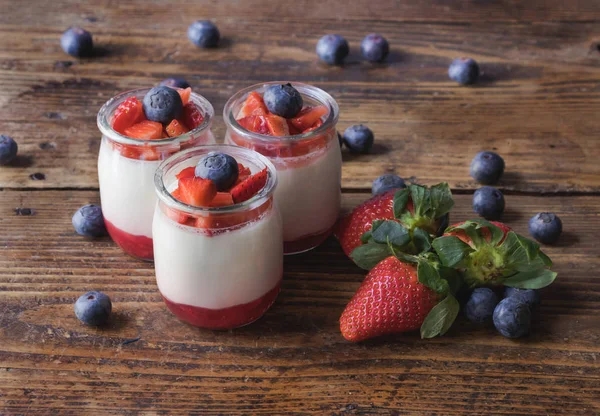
x=249, y=187
x=176, y=128
x=222, y=199
x=176, y=215
x=147, y=153
x=243, y=171
x=257, y=124
x=197, y=191
x=308, y=116
x=187, y=173
x=145, y=130
x=315, y=126
x=164, y=135
x=277, y=125
x=192, y=117
x=293, y=130
x=185, y=95
x=253, y=106
x=128, y=113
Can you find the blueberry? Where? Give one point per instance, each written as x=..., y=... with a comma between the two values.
x=358, y=138
x=89, y=221
x=8, y=150
x=175, y=82
x=481, y=304
x=283, y=100
x=77, y=42
x=545, y=227
x=387, y=182
x=488, y=202
x=530, y=296
x=464, y=71
x=220, y=168
x=512, y=318
x=93, y=308
x=204, y=34
x=374, y=47
x=332, y=49
x=162, y=104
x=487, y=167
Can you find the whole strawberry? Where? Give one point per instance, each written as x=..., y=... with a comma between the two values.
x=490, y=253
x=411, y=217
x=402, y=295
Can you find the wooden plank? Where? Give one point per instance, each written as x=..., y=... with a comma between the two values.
x=537, y=104
x=293, y=360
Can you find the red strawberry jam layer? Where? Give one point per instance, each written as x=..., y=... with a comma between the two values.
x=135, y=245
x=226, y=318
x=305, y=243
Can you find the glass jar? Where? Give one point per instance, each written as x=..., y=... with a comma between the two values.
x=126, y=169
x=308, y=167
x=217, y=268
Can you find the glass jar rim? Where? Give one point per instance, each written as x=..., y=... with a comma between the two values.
x=311, y=91
x=106, y=111
x=257, y=200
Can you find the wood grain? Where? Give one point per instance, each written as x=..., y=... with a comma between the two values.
x=293, y=360
x=536, y=105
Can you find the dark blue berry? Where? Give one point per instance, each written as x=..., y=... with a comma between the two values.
x=487, y=167
x=464, y=71
x=77, y=42
x=481, y=304
x=204, y=34
x=488, y=202
x=359, y=138
x=332, y=49
x=545, y=227
x=387, y=182
x=374, y=47
x=93, y=308
x=8, y=150
x=283, y=100
x=175, y=82
x=220, y=168
x=162, y=104
x=512, y=318
x=530, y=296
x=89, y=221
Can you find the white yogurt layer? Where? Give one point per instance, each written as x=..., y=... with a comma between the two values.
x=220, y=271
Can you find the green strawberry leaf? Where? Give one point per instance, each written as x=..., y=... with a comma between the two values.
x=420, y=197
x=429, y=276
x=522, y=254
x=440, y=318
x=391, y=232
x=367, y=236
x=535, y=279
x=421, y=239
x=451, y=250
x=369, y=255
x=400, y=201
x=453, y=278
x=545, y=259
x=441, y=199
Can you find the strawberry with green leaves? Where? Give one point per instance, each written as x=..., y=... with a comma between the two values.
x=410, y=217
x=402, y=293
x=491, y=254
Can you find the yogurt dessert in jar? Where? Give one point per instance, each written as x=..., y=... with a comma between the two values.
x=133, y=146
x=294, y=125
x=218, y=247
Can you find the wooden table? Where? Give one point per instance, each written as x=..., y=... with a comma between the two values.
x=537, y=105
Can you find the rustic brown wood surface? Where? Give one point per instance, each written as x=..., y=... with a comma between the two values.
x=537, y=105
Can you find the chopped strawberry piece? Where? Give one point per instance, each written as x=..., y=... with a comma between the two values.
x=186, y=173
x=174, y=214
x=164, y=135
x=253, y=106
x=293, y=130
x=192, y=117
x=249, y=187
x=243, y=171
x=185, y=94
x=197, y=191
x=222, y=199
x=128, y=113
x=176, y=128
x=256, y=124
x=148, y=153
x=145, y=130
x=315, y=126
x=277, y=125
x=308, y=116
